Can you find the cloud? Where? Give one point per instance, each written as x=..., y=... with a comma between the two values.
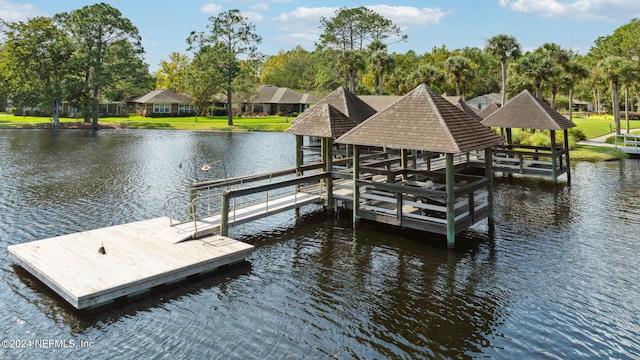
x=210, y=8
x=259, y=7
x=585, y=10
x=407, y=16
x=253, y=16
x=11, y=12
x=304, y=19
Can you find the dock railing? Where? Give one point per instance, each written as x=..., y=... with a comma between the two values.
x=631, y=142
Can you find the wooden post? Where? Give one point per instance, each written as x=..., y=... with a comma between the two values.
x=299, y=154
x=451, y=225
x=224, y=214
x=566, y=147
x=554, y=162
x=404, y=163
x=329, y=168
x=509, y=136
x=356, y=188
x=488, y=173
x=193, y=194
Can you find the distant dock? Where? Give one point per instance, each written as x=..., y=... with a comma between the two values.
x=137, y=257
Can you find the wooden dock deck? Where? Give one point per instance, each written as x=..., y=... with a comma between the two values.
x=138, y=256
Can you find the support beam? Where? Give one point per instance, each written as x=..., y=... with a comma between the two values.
x=404, y=162
x=488, y=173
x=356, y=188
x=451, y=214
x=299, y=154
x=554, y=160
x=566, y=146
x=329, y=169
x=224, y=214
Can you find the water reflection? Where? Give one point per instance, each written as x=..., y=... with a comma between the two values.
x=557, y=276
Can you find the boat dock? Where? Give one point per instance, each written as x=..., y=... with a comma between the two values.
x=137, y=257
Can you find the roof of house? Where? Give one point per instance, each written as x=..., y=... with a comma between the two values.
x=451, y=98
x=379, y=102
x=422, y=120
x=486, y=99
x=468, y=109
x=322, y=120
x=328, y=121
x=162, y=96
x=493, y=107
x=269, y=94
x=528, y=112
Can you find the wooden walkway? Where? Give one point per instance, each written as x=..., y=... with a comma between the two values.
x=138, y=256
x=211, y=224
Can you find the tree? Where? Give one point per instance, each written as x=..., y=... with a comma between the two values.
x=504, y=46
x=230, y=33
x=611, y=68
x=98, y=30
x=37, y=63
x=574, y=72
x=535, y=66
x=356, y=28
x=457, y=65
x=380, y=62
x=204, y=77
x=171, y=73
x=351, y=61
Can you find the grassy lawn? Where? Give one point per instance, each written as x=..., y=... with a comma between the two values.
x=595, y=126
x=592, y=127
x=219, y=123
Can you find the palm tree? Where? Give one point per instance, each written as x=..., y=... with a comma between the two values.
x=611, y=70
x=536, y=66
x=558, y=57
x=628, y=77
x=351, y=61
x=427, y=74
x=381, y=62
x=504, y=46
x=457, y=65
x=574, y=72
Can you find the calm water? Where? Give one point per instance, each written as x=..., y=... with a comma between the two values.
x=558, y=278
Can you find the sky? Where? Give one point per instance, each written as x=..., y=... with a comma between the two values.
x=283, y=24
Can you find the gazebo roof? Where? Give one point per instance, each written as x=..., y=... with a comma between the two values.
x=468, y=110
x=528, y=112
x=493, y=107
x=422, y=120
x=322, y=120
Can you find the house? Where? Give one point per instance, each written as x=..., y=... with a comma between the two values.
x=273, y=100
x=379, y=102
x=483, y=101
x=163, y=102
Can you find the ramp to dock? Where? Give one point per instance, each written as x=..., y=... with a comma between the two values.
x=137, y=257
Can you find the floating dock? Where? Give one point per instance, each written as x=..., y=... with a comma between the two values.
x=137, y=257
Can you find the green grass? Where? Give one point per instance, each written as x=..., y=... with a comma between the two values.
x=596, y=153
x=218, y=123
x=595, y=126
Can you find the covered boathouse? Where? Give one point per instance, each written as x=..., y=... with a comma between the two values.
x=405, y=187
x=526, y=111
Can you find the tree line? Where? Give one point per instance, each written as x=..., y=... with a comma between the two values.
x=95, y=54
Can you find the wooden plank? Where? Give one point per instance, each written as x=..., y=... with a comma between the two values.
x=138, y=256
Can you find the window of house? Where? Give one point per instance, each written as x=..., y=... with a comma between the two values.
x=162, y=108
x=186, y=109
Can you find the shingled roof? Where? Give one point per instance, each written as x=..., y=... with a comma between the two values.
x=162, y=96
x=379, y=102
x=528, y=112
x=322, y=120
x=468, y=110
x=422, y=120
x=269, y=94
x=493, y=107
